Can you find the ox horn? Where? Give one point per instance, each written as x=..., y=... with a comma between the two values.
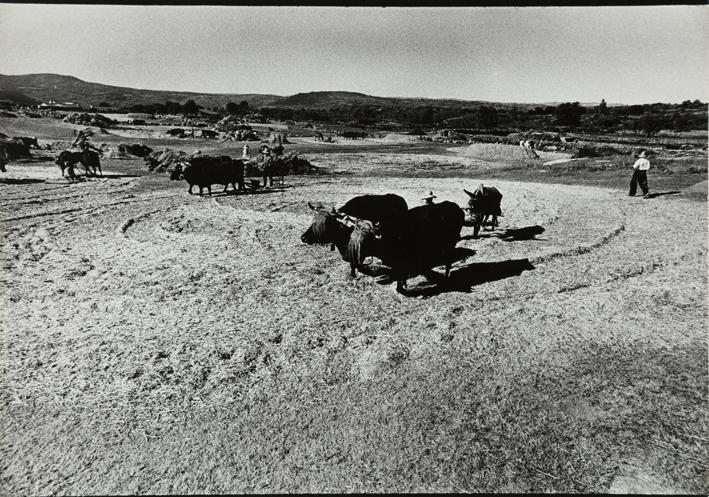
x=469, y=194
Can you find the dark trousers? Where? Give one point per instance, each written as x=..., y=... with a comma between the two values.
x=638, y=177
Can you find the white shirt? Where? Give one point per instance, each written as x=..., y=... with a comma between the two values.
x=642, y=165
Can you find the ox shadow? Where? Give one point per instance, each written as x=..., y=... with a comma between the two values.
x=235, y=193
x=30, y=160
x=511, y=235
x=463, y=279
x=115, y=175
x=20, y=181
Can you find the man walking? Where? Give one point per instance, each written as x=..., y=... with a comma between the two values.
x=640, y=169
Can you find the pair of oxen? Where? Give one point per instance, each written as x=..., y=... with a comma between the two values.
x=408, y=241
x=205, y=171
x=68, y=159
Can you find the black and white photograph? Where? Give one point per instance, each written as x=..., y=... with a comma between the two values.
x=353, y=249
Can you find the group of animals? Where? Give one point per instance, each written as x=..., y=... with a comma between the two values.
x=409, y=241
x=68, y=159
x=19, y=146
x=205, y=171
x=12, y=148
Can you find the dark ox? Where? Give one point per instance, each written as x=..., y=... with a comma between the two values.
x=29, y=141
x=15, y=149
x=352, y=228
x=206, y=171
x=353, y=135
x=484, y=203
x=423, y=239
x=87, y=158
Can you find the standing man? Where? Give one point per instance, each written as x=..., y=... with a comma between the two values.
x=3, y=157
x=640, y=169
x=245, y=152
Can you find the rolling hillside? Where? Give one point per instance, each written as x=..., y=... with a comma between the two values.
x=29, y=88
x=43, y=87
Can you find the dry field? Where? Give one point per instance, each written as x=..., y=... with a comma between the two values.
x=156, y=342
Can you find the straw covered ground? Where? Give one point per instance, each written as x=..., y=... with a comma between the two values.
x=156, y=342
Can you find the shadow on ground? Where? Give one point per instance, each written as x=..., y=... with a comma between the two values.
x=233, y=193
x=112, y=175
x=19, y=181
x=465, y=278
x=658, y=194
x=511, y=235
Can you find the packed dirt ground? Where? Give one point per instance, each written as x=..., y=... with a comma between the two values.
x=157, y=342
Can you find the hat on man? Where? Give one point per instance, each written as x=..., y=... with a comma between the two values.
x=429, y=196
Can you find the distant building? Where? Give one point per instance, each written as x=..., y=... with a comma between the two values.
x=52, y=105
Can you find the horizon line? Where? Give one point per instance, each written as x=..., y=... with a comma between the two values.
x=343, y=91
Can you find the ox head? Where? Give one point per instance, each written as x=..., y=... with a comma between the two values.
x=364, y=239
x=324, y=228
x=475, y=196
x=478, y=193
x=62, y=158
x=177, y=172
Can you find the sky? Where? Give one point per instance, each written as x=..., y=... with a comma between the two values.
x=506, y=54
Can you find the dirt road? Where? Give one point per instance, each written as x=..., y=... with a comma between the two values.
x=156, y=342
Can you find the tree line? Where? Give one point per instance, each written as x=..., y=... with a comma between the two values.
x=647, y=118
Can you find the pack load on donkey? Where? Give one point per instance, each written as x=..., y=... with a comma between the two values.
x=484, y=203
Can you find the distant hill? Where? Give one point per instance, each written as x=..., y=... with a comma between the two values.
x=16, y=97
x=330, y=98
x=36, y=88
x=45, y=87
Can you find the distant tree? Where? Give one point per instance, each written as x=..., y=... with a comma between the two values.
x=603, y=107
x=421, y=115
x=244, y=105
x=172, y=107
x=488, y=117
x=190, y=108
x=232, y=108
x=569, y=114
x=651, y=123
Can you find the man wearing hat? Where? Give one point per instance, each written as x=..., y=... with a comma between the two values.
x=428, y=199
x=640, y=169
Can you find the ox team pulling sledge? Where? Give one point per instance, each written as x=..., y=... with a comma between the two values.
x=409, y=241
x=207, y=171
